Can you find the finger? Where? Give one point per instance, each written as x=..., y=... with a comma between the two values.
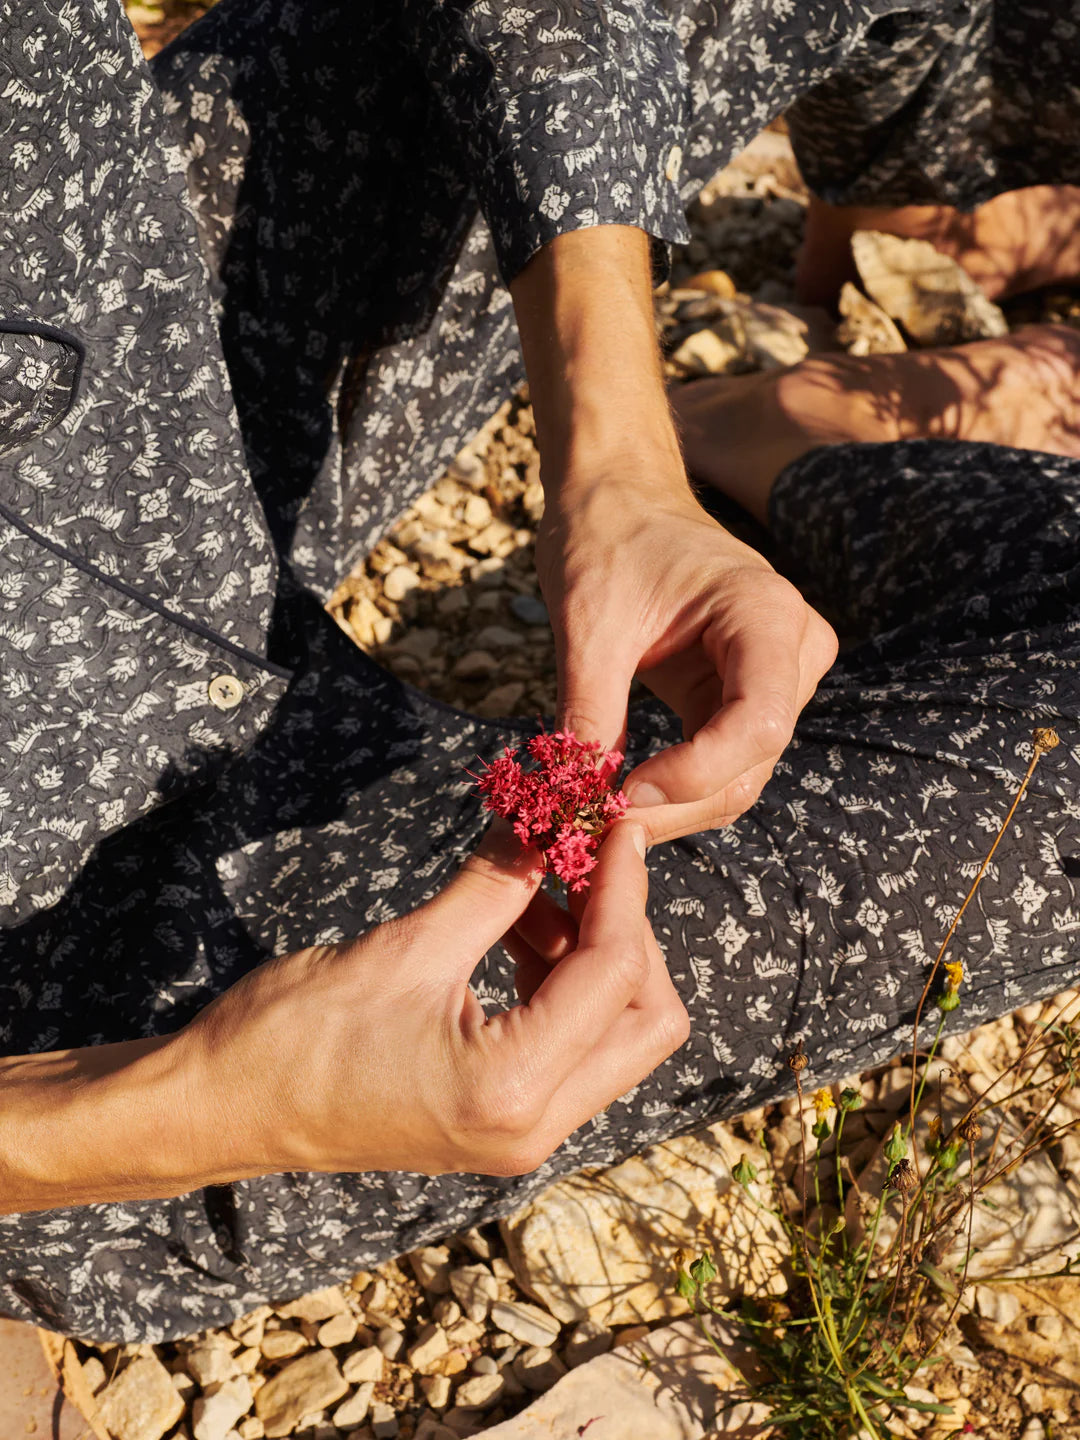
x=761, y=670
x=584, y=994
x=549, y=929
x=594, y=679
x=669, y=822
x=651, y=1028
x=530, y=969
x=488, y=894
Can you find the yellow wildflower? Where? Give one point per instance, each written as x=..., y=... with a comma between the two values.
x=954, y=975
x=935, y=1128
x=823, y=1103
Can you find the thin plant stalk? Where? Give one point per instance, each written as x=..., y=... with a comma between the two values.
x=959, y=915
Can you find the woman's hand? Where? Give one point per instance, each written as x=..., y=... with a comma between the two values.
x=637, y=577
x=640, y=580
x=368, y=1055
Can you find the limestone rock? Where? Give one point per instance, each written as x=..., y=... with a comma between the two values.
x=248, y=1330
x=933, y=297
x=213, y=1416
x=429, y=1349
x=142, y=1402
x=282, y=1344
x=398, y=582
x=94, y=1373
x=603, y=1246
x=436, y=1390
x=500, y=701
x=865, y=328
x=338, y=1330
x=384, y=1423
x=475, y=665
x=527, y=1323
x=706, y=353
x=355, y=1408
x=366, y=1364
x=319, y=1305
x=431, y=1266
x=475, y=1289
x=304, y=1386
x=538, y=1368
x=479, y=1392
x=680, y=1394
x=210, y=1362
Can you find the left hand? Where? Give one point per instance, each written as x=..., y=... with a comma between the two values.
x=640, y=580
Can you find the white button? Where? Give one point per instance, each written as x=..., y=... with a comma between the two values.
x=225, y=692
x=674, y=164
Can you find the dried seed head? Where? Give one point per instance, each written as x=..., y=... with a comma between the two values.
x=903, y=1178
x=797, y=1061
x=1045, y=739
x=970, y=1130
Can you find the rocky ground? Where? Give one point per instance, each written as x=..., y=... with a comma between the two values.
x=456, y=1339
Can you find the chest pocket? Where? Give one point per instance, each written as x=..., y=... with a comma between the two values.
x=39, y=379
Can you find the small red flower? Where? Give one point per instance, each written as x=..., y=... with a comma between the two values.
x=562, y=805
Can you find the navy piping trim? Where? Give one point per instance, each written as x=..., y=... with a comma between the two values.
x=182, y=621
x=62, y=337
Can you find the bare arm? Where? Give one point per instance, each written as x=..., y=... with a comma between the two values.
x=369, y=1055
x=638, y=578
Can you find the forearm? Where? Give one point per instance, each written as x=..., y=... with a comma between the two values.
x=108, y=1123
x=585, y=314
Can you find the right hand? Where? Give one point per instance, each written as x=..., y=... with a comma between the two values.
x=374, y=1054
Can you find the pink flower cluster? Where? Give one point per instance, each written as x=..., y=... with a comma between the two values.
x=562, y=806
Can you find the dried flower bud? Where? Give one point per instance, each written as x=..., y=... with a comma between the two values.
x=797, y=1061
x=850, y=1099
x=1045, y=739
x=970, y=1129
x=903, y=1178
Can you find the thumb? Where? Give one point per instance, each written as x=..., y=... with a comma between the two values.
x=490, y=892
x=594, y=679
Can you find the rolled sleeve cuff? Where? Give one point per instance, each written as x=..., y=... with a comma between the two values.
x=584, y=155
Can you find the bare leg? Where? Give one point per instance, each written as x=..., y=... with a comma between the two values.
x=1018, y=241
x=1024, y=391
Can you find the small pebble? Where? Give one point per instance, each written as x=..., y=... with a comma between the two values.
x=530, y=610
x=475, y=1289
x=282, y=1344
x=484, y=1365
x=447, y=1311
x=399, y=581
x=338, y=1330
x=480, y=1392
x=366, y=1364
x=538, y=1368
x=431, y=1264
x=429, y=1349
x=390, y=1342
x=436, y=1390
x=384, y=1423
x=525, y=1322
x=355, y=1408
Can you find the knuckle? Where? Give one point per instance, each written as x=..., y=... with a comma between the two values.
x=771, y=726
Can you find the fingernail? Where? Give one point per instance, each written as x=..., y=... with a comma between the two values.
x=637, y=834
x=643, y=795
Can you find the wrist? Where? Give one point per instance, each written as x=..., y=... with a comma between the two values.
x=103, y=1123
